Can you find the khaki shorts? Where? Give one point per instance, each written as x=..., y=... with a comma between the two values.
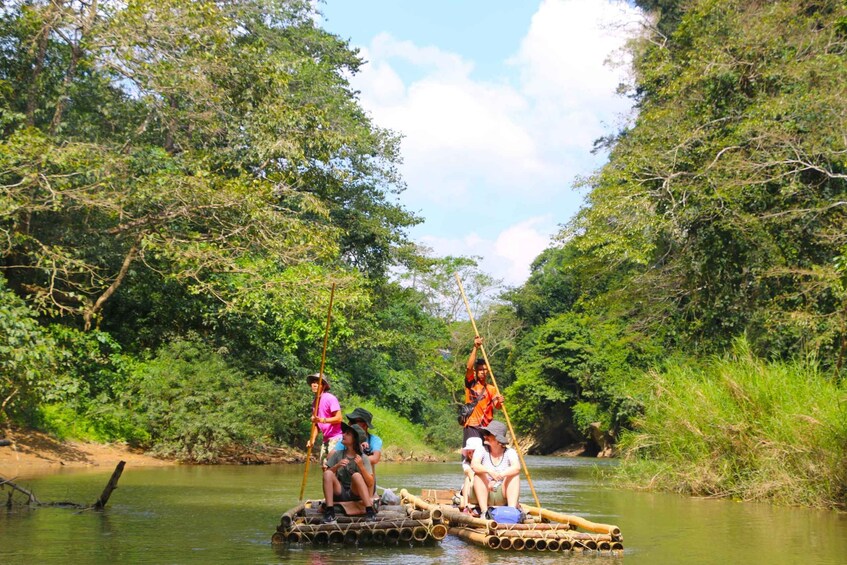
x=327, y=449
x=496, y=497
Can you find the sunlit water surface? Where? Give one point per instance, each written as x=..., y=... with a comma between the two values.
x=226, y=514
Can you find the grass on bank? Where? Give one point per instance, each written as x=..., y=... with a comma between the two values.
x=742, y=428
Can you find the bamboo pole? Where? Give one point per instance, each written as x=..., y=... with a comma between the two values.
x=530, y=544
x=288, y=517
x=438, y=531
x=554, y=534
x=573, y=520
x=497, y=389
x=541, y=526
x=314, y=431
x=318, y=518
x=420, y=533
x=475, y=536
x=457, y=518
x=384, y=525
x=550, y=545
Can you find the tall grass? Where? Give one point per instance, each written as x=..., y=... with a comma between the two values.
x=743, y=428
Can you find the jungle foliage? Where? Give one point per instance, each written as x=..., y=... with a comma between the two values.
x=182, y=183
x=720, y=215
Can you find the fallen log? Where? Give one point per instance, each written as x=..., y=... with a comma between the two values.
x=110, y=486
x=32, y=500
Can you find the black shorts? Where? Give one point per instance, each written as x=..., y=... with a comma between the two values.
x=346, y=495
x=470, y=431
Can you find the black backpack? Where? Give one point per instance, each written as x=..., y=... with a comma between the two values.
x=465, y=410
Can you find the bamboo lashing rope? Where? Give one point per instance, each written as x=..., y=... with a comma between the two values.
x=497, y=389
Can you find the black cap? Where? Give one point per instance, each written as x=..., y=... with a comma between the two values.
x=361, y=414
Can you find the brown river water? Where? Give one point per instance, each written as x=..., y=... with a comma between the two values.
x=226, y=514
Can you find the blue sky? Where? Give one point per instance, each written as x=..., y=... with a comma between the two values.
x=499, y=102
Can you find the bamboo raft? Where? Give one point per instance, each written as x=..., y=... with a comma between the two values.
x=543, y=530
x=431, y=516
x=394, y=524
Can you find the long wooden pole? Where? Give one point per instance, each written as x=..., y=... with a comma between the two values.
x=497, y=389
x=314, y=431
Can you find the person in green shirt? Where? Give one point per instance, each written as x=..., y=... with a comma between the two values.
x=349, y=475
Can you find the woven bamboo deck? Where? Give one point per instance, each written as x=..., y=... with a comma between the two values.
x=428, y=518
x=543, y=529
x=394, y=524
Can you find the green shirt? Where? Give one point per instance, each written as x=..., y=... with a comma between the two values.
x=345, y=472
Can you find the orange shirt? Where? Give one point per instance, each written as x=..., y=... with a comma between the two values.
x=484, y=411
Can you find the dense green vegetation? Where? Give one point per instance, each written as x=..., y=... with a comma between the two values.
x=183, y=181
x=719, y=216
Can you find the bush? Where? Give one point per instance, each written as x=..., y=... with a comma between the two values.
x=27, y=357
x=743, y=428
x=193, y=404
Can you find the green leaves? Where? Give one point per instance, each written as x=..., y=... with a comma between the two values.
x=26, y=356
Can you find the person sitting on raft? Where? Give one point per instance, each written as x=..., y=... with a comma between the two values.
x=349, y=476
x=472, y=445
x=373, y=447
x=497, y=470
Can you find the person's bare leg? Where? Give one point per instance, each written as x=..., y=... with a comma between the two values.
x=512, y=488
x=360, y=489
x=331, y=487
x=480, y=489
x=467, y=487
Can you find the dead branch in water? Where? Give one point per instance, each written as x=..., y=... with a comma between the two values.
x=32, y=500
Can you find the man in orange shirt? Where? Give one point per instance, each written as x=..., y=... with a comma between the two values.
x=477, y=387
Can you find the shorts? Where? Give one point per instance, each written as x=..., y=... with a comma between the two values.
x=496, y=497
x=327, y=448
x=346, y=495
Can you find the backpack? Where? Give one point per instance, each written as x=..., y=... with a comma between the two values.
x=465, y=410
x=505, y=515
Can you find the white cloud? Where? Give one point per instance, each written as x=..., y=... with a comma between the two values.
x=514, y=142
x=508, y=256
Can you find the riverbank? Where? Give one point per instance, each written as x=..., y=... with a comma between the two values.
x=33, y=453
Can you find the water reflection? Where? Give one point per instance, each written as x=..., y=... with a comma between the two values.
x=228, y=513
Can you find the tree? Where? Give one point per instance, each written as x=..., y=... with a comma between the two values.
x=220, y=178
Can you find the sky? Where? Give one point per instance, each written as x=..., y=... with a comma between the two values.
x=499, y=103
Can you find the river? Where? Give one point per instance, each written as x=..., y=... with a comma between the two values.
x=226, y=514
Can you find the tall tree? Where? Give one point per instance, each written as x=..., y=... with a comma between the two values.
x=215, y=144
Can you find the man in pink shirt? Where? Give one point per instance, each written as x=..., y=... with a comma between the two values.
x=328, y=417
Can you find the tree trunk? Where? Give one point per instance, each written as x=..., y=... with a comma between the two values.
x=76, y=54
x=89, y=314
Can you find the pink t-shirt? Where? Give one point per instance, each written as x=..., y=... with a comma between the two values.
x=327, y=406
